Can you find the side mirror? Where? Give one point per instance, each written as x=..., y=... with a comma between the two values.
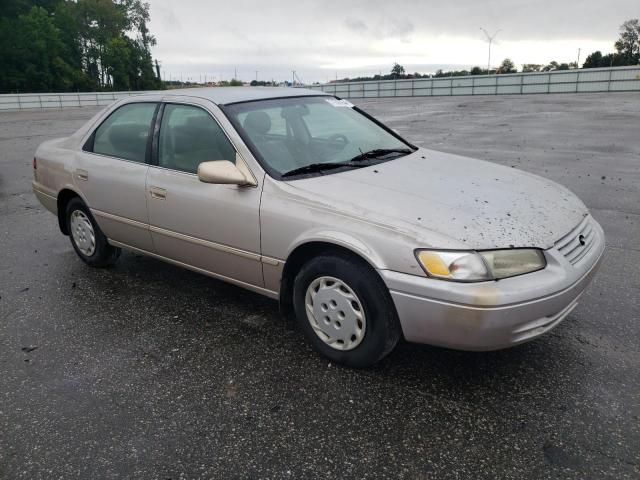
x=222, y=172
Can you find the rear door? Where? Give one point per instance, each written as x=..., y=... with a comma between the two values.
x=111, y=173
x=215, y=228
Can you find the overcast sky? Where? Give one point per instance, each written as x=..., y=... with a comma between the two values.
x=324, y=38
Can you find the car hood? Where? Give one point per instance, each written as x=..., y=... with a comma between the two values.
x=449, y=201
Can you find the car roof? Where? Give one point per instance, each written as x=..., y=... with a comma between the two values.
x=228, y=95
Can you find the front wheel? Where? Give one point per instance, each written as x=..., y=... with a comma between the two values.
x=345, y=310
x=86, y=237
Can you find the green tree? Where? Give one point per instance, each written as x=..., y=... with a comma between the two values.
x=531, y=67
x=553, y=65
x=507, y=66
x=397, y=71
x=32, y=54
x=594, y=60
x=478, y=71
x=628, y=45
x=117, y=60
x=76, y=45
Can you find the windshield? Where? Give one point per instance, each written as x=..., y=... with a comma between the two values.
x=292, y=134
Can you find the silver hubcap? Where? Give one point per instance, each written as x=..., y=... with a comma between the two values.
x=335, y=313
x=82, y=232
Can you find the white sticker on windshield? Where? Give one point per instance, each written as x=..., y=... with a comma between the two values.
x=339, y=103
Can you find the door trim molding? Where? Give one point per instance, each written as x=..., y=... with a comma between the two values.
x=188, y=238
x=205, y=243
x=117, y=218
x=248, y=286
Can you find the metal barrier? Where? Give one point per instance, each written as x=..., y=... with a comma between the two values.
x=616, y=79
x=30, y=101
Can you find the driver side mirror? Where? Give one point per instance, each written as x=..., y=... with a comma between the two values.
x=222, y=172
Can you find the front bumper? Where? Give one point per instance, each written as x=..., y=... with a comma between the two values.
x=498, y=314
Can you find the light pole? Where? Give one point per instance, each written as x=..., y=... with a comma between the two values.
x=578, y=61
x=490, y=40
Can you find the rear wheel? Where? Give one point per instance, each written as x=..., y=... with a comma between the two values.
x=345, y=310
x=86, y=237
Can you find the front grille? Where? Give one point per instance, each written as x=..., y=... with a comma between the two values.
x=577, y=243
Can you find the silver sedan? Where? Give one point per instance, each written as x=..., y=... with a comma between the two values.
x=361, y=236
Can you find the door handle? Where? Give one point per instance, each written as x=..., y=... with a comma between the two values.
x=158, y=193
x=82, y=175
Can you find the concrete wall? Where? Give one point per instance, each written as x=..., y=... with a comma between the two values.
x=615, y=79
x=30, y=101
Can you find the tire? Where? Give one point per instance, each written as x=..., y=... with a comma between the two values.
x=88, y=240
x=375, y=332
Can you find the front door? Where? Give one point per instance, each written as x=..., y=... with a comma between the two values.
x=214, y=228
x=110, y=172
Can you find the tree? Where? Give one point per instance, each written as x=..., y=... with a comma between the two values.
x=397, y=71
x=553, y=65
x=531, y=67
x=478, y=71
x=507, y=66
x=628, y=45
x=32, y=54
x=68, y=45
x=594, y=60
x=117, y=60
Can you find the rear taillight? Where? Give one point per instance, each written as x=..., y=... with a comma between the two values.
x=35, y=164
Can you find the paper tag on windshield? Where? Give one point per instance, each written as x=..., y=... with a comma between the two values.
x=339, y=103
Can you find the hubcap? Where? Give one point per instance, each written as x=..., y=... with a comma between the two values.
x=82, y=232
x=335, y=313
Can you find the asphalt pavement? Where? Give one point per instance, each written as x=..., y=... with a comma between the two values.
x=145, y=370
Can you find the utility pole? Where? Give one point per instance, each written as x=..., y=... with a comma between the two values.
x=293, y=77
x=578, y=61
x=235, y=73
x=256, y=75
x=490, y=40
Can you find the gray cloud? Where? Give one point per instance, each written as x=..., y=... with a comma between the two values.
x=399, y=27
x=355, y=25
x=318, y=38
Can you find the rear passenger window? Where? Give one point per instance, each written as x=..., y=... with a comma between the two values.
x=125, y=132
x=190, y=136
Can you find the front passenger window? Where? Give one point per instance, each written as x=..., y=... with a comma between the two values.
x=190, y=136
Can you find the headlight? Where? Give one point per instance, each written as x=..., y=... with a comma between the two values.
x=471, y=266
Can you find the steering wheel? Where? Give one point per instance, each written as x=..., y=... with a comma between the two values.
x=339, y=138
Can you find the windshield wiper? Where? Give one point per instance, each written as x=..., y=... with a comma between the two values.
x=379, y=152
x=353, y=163
x=318, y=167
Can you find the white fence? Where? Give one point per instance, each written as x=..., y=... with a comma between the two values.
x=616, y=79
x=30, y=101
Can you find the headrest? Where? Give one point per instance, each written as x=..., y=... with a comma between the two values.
x=257, y=123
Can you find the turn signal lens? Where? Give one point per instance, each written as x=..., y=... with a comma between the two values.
x=434, y=264
x=461, y=266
